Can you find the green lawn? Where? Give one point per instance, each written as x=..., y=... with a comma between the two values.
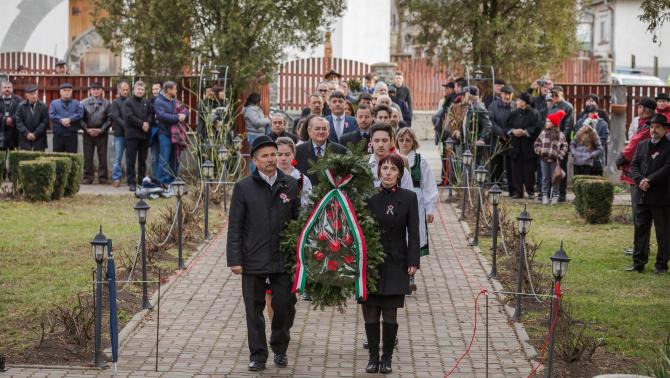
x=631, y=310
x=45, y=254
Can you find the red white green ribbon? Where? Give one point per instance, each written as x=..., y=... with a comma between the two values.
x=359, y=241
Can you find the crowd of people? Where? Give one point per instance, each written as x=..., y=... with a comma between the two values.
x=139, y=124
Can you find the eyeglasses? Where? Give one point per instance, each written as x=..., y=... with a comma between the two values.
x=405, y=140
x=323, y=90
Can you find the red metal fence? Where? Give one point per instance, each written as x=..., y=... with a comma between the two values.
x=579, y=69
x=27, y=63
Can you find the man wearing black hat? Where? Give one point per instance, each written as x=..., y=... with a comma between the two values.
x=567, y=126
x=499, y=111
x=650, y=169
x=32, y=120
x=61, y=68
x=261, y=207
x=65, y=114
x=96, y=125
x=9, y=103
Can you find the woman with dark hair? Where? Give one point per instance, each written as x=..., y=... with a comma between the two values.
x=255, y=122
x=396, y=211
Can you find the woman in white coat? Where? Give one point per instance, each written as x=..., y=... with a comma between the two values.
x=424, y=184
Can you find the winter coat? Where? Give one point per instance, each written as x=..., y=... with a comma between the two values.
x=116, y=114
x=525, y=119
x=396, y=211
x=254, y=120
x=258, y=214
x=583, y=155
x=32, y=119
x=626, y=157
x=499, y=112
x=551, y=145
x=96, y=114
x=71, y=109
x=8, y=107
x=136, y=111
x=304, y=154
x=165, y=113
x=599, y=125
x=652, y=161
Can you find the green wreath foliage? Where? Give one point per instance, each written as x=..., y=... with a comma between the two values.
x=326, y=288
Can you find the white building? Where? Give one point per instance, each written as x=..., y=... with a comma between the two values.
x=612, y=29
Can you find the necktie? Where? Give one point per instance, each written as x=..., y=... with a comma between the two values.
x=318, y=151
x=364, y=135
x=339, y=126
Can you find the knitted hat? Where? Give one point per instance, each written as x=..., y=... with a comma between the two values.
x=556, y=118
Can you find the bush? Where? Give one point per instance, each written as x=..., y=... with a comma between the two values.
x=15, y=157
x=63, y=169
x=72, y=186
x=577, y=189
x=3, y=163
x=36, y=179
x=594, y=200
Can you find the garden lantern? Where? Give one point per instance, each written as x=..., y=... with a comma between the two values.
x=495, y=193
x=142, y=210
x=222, y=152
x=467, y=158
x=99, y=247
x=480, y=174
x=524, y=220
x=559, y=267
x=208, y=169
x=559, y=263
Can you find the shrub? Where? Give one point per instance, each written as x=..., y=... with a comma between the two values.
x=63, y=169
x=3, y=163
x=577, y=189
x=72, y=186
x=36, y=179
x=15, y=157
x=595, y=200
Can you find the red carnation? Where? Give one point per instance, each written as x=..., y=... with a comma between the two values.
x=337, y=225
x=332, y=265
x=330, y=213
x=334, y=245
x=322, y=235
x=392, y=150
x=348, y=259
x=347, y=239
x=319, y=256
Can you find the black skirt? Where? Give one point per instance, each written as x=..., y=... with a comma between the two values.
x=386, y=301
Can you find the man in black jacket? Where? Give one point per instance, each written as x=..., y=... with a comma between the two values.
x=9, y=103
x=137, y=113
x=318, y=144
x=116, y=114
x=650, y=169
x=32, y=120
x=364, y=121
x=499, y=111
x=261, y=206
x=522, y=127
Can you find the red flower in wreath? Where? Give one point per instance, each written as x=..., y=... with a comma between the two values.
x=347, y=239
x=348, y=259
x=319, y=256
x=322, y=235
x=337, y=225
x=334, y=246
x=333, y=265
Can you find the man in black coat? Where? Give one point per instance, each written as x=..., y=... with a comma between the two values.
x=499, y=111
x=116, y=114
x=32, y=120
x=650, y=169
x=9, y=103
x=137, y=115
x=364, y=120
x=523, y=126
x=318, y=144
x=261, y=206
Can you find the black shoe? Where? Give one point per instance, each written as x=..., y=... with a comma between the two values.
x=256, y=366
x=385, y=366
x=365, y=344
x=561, y=199
x=281, y=360
x=660, y=271
x=131, y=188
x=373, y=366
x=639, y=269
x=389, y=338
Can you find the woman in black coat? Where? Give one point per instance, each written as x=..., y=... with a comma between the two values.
x=523, y=126
x=396, y=211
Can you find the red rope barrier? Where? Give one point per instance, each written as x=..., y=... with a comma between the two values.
x=551, y=329
x=472, y=339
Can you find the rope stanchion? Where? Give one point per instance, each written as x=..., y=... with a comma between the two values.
x=169, y=233
x=551, y=330
x=530, y=278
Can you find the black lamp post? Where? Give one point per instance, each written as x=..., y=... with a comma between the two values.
x=99, y=250
x=208, y=172
x=524, y=219
x=559, y=267
x=480, y=177
x=450, y=152
x=142, y=210
x=467, y=161
x=494, y=193
x=223, y=158
x=180, y=186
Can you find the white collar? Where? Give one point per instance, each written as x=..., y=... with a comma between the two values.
x=269, y=180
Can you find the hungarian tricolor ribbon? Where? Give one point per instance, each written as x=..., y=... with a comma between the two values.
x=337, y=195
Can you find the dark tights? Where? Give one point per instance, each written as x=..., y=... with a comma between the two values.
x=371, y=314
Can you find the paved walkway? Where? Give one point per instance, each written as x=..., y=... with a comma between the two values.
x=202, y=325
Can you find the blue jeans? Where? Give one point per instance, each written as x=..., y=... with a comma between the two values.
x=119, y=153
x=164, y=172
x=155, y=158
x=547, y=169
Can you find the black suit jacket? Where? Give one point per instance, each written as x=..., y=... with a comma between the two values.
x=304, y=154
x=352, y=139
x=652, y=161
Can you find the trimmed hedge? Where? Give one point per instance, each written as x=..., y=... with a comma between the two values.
x=3, y=162
x=73, y=178
x=594, y=199
x=63, y=169
x=37, y=179
x=577, y=188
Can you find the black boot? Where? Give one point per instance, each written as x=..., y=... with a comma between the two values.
x=389, y=332
x=372, y=332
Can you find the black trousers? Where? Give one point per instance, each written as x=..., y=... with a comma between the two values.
x=523, y=174
x=510, y=178
x=68, y=143
x=563, y=186
x=660, y=216
x=91, y=145
x=283, y=307
x=497, y=168
x=136, y=150
x=582, y=170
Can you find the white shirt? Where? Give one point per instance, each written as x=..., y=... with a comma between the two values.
x=269, y=180
x=306, y=187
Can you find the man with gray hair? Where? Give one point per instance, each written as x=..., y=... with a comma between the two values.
x=381, y=88
x=317, y=145
x=96, y=125
x=66, y=114
x=9, y=104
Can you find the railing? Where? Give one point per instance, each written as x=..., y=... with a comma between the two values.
x=27, y=62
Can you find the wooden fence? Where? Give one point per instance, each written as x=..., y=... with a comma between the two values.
x=579, y=69
x=27, y=63
x=424, y=78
